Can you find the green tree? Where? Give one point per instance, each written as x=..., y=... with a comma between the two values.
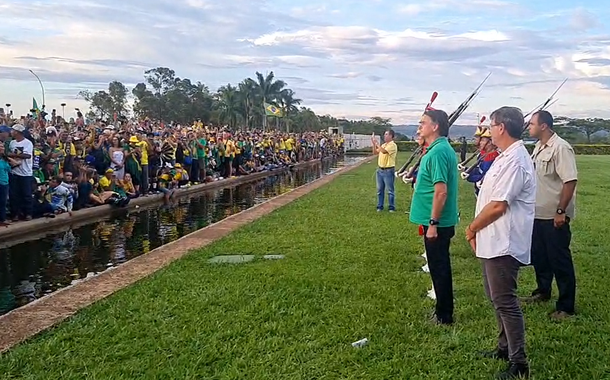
x=288, y=103
x=268, y=91
x=106, y=104
x=589, y=126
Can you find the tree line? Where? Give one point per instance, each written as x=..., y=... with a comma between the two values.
x=165, y=96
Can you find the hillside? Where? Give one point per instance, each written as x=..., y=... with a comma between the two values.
x=455, y=131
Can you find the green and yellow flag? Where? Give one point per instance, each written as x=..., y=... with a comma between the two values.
x=271, y=110
x=35, y=107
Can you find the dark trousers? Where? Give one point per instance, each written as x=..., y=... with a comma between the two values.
x=194, y=174
x=500, y=282
x=20, y=195
x=144, y=183
x=3, y=201
x=439, y=263
x=551, y=257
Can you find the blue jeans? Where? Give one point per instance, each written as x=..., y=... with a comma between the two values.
x=385, y=181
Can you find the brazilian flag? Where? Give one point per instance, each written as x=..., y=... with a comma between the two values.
x=271, y=110
x=35, y=108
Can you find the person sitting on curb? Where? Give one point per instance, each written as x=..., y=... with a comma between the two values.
x=61, y=197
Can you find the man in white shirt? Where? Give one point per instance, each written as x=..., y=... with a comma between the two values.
x=21, y=182
x=501, y=234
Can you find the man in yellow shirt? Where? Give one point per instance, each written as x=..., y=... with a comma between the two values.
x=386, y=163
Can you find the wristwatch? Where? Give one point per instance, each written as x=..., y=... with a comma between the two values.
x=433, y=222
x=560, y=211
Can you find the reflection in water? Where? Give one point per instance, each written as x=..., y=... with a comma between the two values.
x=33, y=269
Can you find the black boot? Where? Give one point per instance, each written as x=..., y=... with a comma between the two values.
x=515, y=371
x=495, y=354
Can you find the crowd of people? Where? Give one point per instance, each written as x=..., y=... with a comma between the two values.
x=50, y=166
x=524, y=207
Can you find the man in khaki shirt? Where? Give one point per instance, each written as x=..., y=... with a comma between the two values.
x=556, y=176
x=385, y=172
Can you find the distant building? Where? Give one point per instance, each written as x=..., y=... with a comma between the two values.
x=337, y=130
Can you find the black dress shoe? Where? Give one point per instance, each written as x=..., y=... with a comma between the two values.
x=515, y=371
x=435, y=319
x=495, y=354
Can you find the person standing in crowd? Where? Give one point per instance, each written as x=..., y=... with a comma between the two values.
x=5, y=170
x=463, y=148
x=21, y=182
x=501, y=234
x=435, y=206
x=385, y=172
x=557, y=175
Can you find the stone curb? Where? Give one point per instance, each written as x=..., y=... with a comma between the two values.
x=31, y=319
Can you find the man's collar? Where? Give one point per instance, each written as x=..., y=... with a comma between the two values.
x=513, y=146
x=551, y=140
x=436, y=141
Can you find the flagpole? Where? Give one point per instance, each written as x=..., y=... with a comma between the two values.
x=264, y=115
x=41, y=87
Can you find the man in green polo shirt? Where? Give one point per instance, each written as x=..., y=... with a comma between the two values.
x=434, y=206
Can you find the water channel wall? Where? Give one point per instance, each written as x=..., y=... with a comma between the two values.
x=37, y=226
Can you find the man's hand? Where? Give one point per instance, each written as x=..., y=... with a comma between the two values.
x=432, y=233
x=473, y=244
x=560, y=220
x=471, y=237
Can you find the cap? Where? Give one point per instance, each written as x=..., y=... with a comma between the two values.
x=134, y=139
x=478, y=132
x=109, y=171
x=18, y=128
x=486, y=133
x=51, y=130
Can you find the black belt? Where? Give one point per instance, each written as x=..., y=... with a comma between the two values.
x=391, y=167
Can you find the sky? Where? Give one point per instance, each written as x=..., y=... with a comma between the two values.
x=350, y=58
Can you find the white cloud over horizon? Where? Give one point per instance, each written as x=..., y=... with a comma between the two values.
x=351, y=58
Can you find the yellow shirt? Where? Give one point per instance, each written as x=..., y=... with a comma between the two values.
x=388, y=160
x=128, y=187
x=289, y=144
x=230, y=149
x=72, y=148
x=143, y=145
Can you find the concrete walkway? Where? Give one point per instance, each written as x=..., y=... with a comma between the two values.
x=27, y=321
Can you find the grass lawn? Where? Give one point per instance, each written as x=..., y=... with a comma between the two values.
x=349, y=273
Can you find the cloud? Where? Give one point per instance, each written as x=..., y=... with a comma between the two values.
x=346, y=75
x=371, y=60
x=414, y=9
x=595, y=61
x=582, y=20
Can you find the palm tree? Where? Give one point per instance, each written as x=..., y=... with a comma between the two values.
x=268, y=90
x=229, y=105
x=288, y=104
x=247, y=92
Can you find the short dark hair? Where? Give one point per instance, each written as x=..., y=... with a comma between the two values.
x=391, y=132
x=512, y=118
x=544, y=117
x=440, y=118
